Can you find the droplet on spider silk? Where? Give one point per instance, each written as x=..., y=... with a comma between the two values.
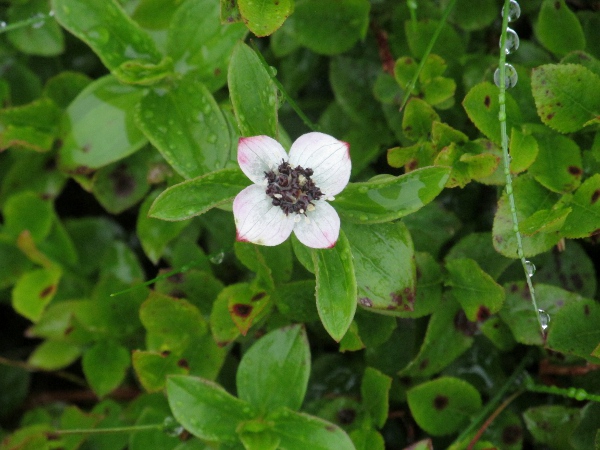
x=217, y=258
x=544, y=319
x=529, y=268
x=514, y=11
x=510, y=76
x=512, y=41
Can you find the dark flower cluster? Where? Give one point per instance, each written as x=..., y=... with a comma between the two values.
x=292, y=189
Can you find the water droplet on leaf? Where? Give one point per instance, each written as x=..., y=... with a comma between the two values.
x=510, y=76
x=529, y=268
x=514, y=11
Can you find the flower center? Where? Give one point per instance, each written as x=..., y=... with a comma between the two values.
x=292, y=189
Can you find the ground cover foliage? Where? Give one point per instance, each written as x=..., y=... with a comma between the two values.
x=120, y=123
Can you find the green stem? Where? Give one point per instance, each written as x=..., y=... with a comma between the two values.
x=292, y=103
x=577, y=394
x=38, y=18
x=506, y=158
x=492, y=404
x=432, y=42
x=181, y=269
x=133, y=428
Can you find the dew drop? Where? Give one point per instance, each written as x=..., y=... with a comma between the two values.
x=212, y=138
x=363, y=189
x=529, y=268
x=217, y=258
x=544, y=319
x=580, y=394
x=41, y=22
x=363, y=218
x=512, y=41
x=2, y=24
x=510, y=76
x=51, y=13
x=514, y=11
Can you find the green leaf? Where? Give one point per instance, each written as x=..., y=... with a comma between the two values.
x=449, y=44
x=54, y=355
x=583, y=220
x=558, y=28
x=107, y=29
x=478, y=247
x=552, y=424
x=64, y=87
x=300, y=431
x=26, y=211
x=230, y=13
x=367, y=439
x=153, y=438
x=197, y=196
x=105, y=366
x=431, y=227
x=351, y=341
x=584, y=435
x=482, y=107
x=296, y=300
x=518, y=312
x=154, y=234
x=253, y=94
x=476, y=291
x=336, y=287
x=272, y=264
x=121, y=185
x=374, y=390
x=418, y=119
x=274, y=372
x=199, y=42
x=152, y=368
x=523, y=151
x=172, y=322
x=258, y=440
x=444, y=405
x=573, y=330
x=563, y=104
x=33, y=126
x=449, y=334
x=390, y=198
x=263, y=17
x=205, y=409
x=384, y=265
x=224, y=330
x=34, y=291
x=249, y=307
x=195, y=139
x=530, y=197
x=469, y=18
x=98, y=127
x=329, y=28
x=571, y=269
x=44, y=38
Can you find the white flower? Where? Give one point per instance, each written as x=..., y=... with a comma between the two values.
x=290, y=192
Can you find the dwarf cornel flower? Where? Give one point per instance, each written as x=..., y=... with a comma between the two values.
x=291, y=191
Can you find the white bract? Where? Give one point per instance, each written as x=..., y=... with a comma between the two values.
x=291, y=191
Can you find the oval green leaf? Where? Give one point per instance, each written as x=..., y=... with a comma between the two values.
x=263, y=17
x=567, y=96
x=205, y=409
x=391, y=198
x=253, y=94
x=98, y=127
x=336, y=287
x=444, y=405
x=194, y=197
x=195, y=138
x=274, y=372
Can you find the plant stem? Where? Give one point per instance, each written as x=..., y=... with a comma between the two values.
x=129, y=429
x=38, y=18
x=30, y=368
x=506, y=158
